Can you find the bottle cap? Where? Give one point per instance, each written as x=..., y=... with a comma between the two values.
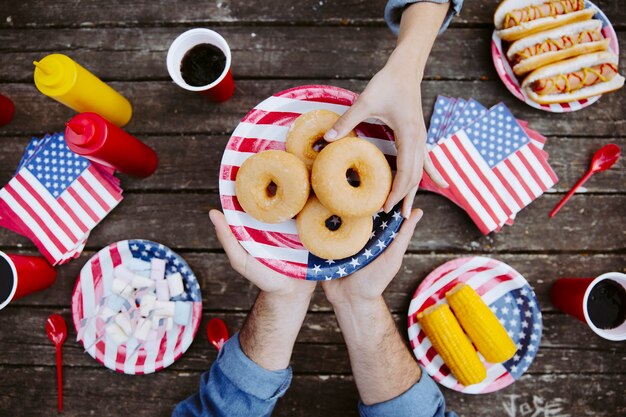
x=53, y=74
x=85, y=131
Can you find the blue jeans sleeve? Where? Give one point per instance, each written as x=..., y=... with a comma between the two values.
x=424, y=399
x=394, y=9
x=235, y=386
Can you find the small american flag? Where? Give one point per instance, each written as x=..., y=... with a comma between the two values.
x=495, y=167
x=56, y=198
x=508, y=295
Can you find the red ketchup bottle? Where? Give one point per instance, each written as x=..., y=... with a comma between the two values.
x=99, y=140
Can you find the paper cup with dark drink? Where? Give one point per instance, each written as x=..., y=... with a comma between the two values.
x=600, y=302
x=21, y=275
x=199, y=60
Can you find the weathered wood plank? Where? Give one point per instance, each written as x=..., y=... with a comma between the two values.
x=191, y=163
x=567, y=346
x=224, y=289
x=182, y=221
x=309, y=12
x=258, y=52
x=161, y=107
x=28, y=391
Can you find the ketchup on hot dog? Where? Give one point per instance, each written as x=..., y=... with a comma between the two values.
x=566, y=83
x=550, y=8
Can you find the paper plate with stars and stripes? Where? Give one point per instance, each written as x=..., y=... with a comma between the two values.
x=277, y=245
x=94, y=284
x=512, y=83
x=508, y=295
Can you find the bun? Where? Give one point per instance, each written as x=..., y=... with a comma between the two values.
x=572, y=65
x=528, y=64
x=537, y=25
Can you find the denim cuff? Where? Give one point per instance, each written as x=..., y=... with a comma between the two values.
x=250, y=377
x=394, y=9
x=424, y=399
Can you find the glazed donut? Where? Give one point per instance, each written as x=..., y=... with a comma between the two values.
x=272, y=186
x=305, y=138
x=329, y=236
x=332, y=177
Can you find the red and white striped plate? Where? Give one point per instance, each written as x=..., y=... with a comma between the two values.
x=512, y=83
x=508, y=295
x=94, y=283
x=278, y=245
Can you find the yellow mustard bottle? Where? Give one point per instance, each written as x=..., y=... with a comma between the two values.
x=63, y=79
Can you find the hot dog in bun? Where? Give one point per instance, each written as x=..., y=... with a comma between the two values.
x=555, y=45
x=515, y=19
x=574, y=79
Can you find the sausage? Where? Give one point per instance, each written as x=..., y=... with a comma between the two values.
x=550, y=8
x=558, y=44
x=566, y=83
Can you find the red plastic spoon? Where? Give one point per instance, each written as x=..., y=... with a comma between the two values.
x=217, y=333
x=602, y=160
x=57, y=333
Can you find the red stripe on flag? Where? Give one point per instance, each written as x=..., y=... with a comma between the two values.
x=31, y=211
x=509, y=188
x=94, y=194
x=459, y=196
x=461, y=145
x=113, y=191
x=46, y=207
x=471, y=186
x=520, y=177
x=544, y=163
x=533, y=173
x=72, y=214
x=83, y=204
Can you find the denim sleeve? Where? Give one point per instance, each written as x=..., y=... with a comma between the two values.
x=235, y=386
x=394, y=9
x=424, y=399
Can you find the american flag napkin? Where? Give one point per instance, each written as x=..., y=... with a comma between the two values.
x=494, y=163
x=56, y=198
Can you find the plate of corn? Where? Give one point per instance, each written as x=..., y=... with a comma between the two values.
x=475, y=325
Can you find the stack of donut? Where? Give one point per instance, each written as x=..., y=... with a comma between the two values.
x=350, y=180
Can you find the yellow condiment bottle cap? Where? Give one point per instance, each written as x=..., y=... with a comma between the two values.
x=55, y=74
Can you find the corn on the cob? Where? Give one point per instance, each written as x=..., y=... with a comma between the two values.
x=448, y=339
x=480, y=324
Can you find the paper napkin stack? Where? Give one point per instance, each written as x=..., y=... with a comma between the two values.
x=494, y=163
x=57, y=197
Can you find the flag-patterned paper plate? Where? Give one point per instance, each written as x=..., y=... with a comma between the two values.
x=512, y=83
x=277, y=245
x=94, y=284
x=508, y=295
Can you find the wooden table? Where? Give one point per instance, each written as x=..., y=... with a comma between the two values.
x=277, y=45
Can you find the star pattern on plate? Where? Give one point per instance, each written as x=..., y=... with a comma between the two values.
x=146, y=250
x=385, y=229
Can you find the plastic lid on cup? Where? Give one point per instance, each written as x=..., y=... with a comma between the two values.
x=618, y=333
x=14, y=272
